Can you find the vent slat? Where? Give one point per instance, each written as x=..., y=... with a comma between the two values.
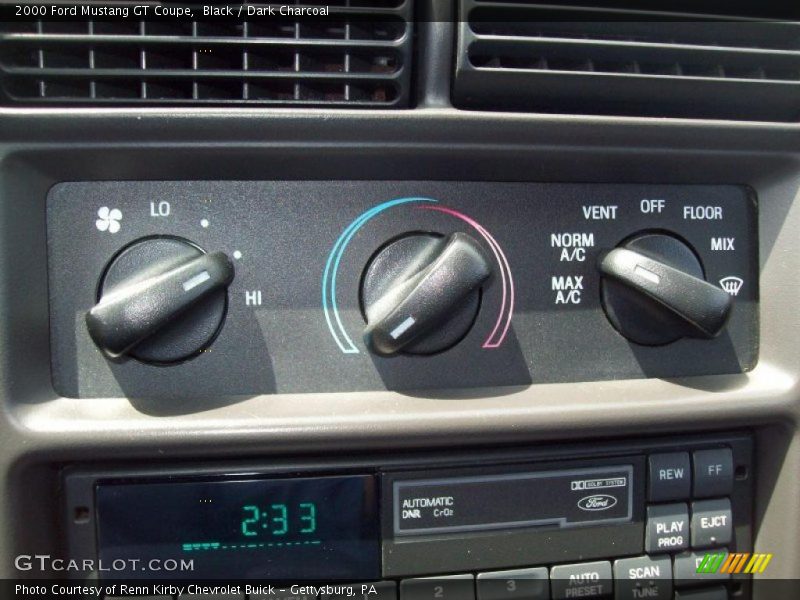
x=199, y=74
x=145, y=41
x=644, y=48
x=611, y=57
x=359, y=58
x=516, y=56
x=256, y=101
x=696, y=33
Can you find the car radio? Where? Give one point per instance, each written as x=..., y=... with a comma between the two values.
x=632, y=518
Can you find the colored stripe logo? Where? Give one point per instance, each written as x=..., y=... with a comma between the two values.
x=737, y=562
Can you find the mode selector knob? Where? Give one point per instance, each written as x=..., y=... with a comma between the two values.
x=160, y=300
x=654, y=291
x=420, y=294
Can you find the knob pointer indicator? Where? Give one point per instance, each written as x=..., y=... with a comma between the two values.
x=654, y=292
x=161, y=300
x=420, y=294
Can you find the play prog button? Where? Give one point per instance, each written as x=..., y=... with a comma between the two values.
x=667, y=528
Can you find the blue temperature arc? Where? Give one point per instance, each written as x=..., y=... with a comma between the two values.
x=329, y=305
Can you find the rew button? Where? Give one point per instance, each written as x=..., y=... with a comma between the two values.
x=670, y=477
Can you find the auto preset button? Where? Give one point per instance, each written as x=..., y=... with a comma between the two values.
x=524, y=584
x=669, y=477
x=667, y=528
x=643, y=577
x=450, y=587
x=584, y=580
x=713, y=473
x=712, y=523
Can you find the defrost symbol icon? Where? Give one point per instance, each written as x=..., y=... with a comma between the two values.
x=731, y=284
x=109, y=219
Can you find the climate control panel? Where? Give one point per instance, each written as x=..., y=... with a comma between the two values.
x=178, y=288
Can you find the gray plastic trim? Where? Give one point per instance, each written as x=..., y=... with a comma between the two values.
x=39, y=430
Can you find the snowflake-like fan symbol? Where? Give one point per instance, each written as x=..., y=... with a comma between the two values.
x=109, y=219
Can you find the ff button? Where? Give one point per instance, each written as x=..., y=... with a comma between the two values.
x=713, y=473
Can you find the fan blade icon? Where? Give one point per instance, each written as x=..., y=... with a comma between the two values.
x=108, y=219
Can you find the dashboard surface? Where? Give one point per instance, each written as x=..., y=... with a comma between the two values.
x=63, y=403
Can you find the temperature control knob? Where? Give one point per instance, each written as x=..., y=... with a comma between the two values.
x=161, y=300
x=420, y=293
x=654, y=292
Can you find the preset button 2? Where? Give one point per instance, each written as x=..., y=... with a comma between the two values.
x=449, y=587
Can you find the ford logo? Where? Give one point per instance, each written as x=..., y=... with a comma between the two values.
x=597, y=502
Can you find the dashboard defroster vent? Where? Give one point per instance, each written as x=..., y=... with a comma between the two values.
x=360, y=56
x=560, y=59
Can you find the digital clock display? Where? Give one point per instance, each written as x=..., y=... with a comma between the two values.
x=321, y=528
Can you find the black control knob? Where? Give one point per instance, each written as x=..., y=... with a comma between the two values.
x=654, y=292
x=420, y=294
x=160, y=300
